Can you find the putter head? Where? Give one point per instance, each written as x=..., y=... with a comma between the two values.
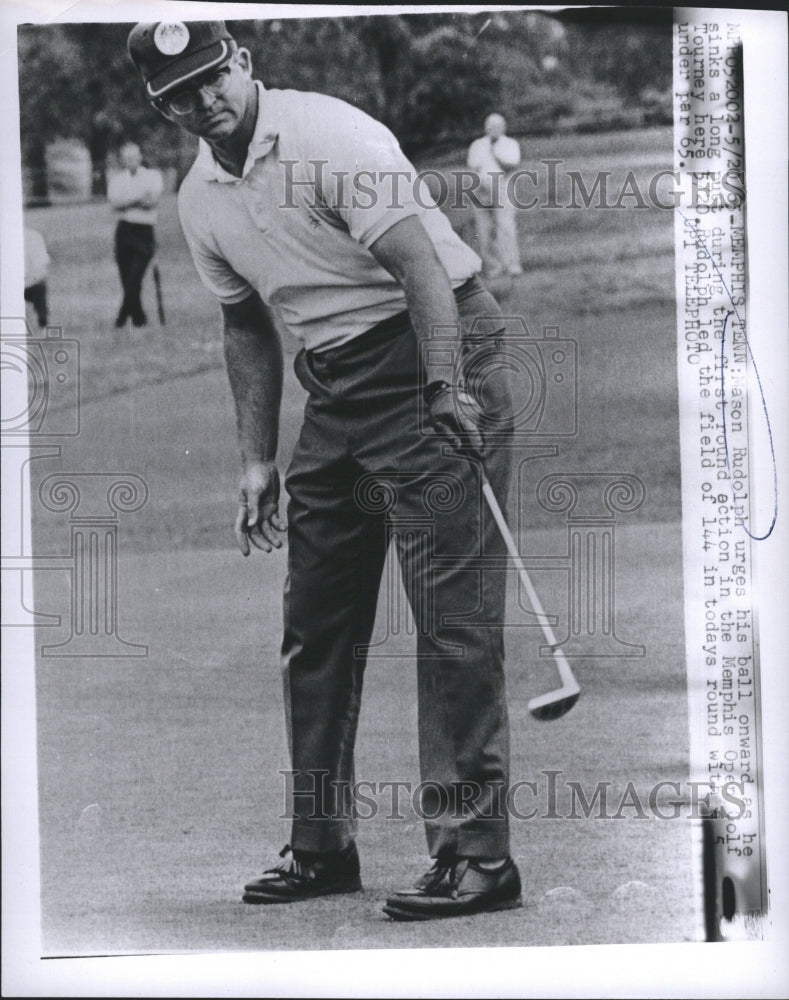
x=554, y=704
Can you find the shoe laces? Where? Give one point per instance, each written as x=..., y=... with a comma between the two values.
x=291, y=865
x=444, y=875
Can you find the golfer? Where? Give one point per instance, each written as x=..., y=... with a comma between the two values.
x=289, y=209
x=494, y=157
x=133, y=194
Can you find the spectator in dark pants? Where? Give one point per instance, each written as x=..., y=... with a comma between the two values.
x=36, y=269
x=134, y=193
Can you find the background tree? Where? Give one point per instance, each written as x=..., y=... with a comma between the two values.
x=432, y=78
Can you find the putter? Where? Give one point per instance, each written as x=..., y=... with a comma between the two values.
x=556, y=703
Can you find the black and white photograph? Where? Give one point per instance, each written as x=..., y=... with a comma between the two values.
x=394, y=424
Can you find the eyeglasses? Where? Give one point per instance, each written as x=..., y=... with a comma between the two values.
x=184, y=102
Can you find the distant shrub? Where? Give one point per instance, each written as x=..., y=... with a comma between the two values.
x=69, y=170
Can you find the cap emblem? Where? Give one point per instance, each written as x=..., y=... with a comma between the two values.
x=170, y=38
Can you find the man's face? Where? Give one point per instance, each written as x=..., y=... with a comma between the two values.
x=220, y=104
x=494, y=126
x=131, y=158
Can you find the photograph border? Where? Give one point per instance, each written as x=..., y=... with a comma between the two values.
x=747, y=968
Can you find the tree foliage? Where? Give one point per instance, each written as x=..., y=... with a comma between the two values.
x=429, y=77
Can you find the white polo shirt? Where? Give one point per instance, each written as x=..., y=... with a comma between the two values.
x=490, y=158
x=125, y=188
x=322, y=182
x=36, y=257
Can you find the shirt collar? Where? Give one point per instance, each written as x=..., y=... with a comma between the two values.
x=264, y=138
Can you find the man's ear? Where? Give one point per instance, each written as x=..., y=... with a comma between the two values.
x=244, y=60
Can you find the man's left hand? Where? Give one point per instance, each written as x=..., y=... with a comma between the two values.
x=448, y=418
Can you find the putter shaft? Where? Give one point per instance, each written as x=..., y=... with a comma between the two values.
x=565, y=671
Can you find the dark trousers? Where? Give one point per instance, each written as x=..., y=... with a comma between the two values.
x=364, y=474
x=37, y=295
x=134, y=249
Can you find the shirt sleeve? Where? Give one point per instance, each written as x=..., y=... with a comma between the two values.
x=363, y=177
x=508, y=152
x=36, y=257
x=155, y=184
x=115, y=193
x=213, y=270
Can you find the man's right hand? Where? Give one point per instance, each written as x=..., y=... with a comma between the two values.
x=258, y=519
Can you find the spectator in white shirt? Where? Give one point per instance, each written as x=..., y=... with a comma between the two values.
x=494, y=157
x=134, y=193
x=36, y=270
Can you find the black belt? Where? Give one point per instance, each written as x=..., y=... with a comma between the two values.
x=387, y=327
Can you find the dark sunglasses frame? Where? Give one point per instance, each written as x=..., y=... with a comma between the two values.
x=216, y=83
